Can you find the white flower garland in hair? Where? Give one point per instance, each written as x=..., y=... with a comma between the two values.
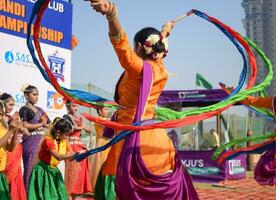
x=151, y=41
x=23, y=87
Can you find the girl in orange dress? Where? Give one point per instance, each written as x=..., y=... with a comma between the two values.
x=13, y=169
x=77, y=178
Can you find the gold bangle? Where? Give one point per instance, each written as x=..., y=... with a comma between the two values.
x=118, y=36
x=112, y=13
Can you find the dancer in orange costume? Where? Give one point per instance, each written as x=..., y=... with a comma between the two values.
x=156, y=150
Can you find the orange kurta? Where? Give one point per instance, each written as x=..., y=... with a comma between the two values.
x=156, y=147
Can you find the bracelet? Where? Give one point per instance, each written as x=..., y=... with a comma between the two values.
x=118, y=36
x=112, y=13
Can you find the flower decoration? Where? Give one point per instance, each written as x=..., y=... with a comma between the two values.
x=152, y=40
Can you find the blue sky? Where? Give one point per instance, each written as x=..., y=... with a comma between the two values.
x=195, y=46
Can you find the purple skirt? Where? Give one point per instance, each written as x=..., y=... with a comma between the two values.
x=265, y=171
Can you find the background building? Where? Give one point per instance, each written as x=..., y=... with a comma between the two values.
x=260, y=26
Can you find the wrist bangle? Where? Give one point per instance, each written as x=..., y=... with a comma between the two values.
x=118, y=36
x=112, y=13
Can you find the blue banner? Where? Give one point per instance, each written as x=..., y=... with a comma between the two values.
x=56, y=27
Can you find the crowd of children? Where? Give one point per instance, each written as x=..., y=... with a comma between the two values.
x=31, y=147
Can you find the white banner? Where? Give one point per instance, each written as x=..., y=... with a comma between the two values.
x=17, y=69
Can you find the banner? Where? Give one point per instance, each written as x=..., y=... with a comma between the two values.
x=204, y=169
x=16, y=65
x=192, y=97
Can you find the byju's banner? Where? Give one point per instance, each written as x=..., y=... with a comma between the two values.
x=204, y=169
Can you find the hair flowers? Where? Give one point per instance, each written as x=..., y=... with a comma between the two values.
x=151, y=48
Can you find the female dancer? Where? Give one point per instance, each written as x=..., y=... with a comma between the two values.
x=13, y=169
x=77, y=179
x=151, y=153
x=35, y=120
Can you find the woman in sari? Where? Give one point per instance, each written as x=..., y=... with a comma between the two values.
x=13, y=169
x=35, y=120
x=156, y=153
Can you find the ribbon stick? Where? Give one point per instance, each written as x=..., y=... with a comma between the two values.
x=180, y=17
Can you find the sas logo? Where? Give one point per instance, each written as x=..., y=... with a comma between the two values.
x=19, y=58
x=56, y=63
x=9, y=57
x=54, y=100
x=19, y=99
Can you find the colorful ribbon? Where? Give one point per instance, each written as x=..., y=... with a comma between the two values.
x=173, y=119
x=126, y=133
x=253, y=149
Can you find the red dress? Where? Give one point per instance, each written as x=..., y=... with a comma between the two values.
x=14, y=174
x=77, y=179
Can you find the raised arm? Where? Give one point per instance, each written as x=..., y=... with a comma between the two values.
x=261, y=102
x=125, y=53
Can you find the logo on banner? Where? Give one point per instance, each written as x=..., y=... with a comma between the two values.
x=196, y=167
x=57, y=63
x=54, y=100
x=235, y=167
x=9, y=57
x=19, y=58
x=19, y=99
x=190, y=94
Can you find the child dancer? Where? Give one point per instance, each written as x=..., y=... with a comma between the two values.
x=6, y=134
x=46, y=181
x=35, y=120
x=77, y=179
x=13, y=169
